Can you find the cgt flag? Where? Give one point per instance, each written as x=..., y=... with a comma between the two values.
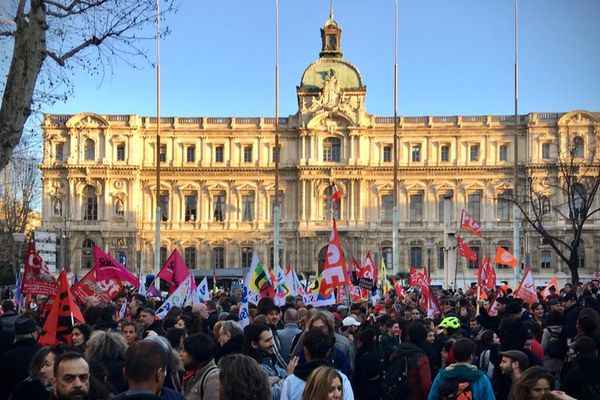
x=526, y=289
x=468, y=222
x=465, y=251
x=334, y=274
x=108, y=268
x=63, y=315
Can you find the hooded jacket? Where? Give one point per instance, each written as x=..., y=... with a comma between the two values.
x=582, y=381
x=480, y=384
x=419, y=369
x=293, y=385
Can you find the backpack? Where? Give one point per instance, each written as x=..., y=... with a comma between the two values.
x=557, y=346
x=456, y=389
x=395, y=382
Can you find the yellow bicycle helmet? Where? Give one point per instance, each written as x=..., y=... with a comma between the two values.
x=450, y=322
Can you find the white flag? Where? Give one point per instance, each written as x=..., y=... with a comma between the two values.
x=244, y=314
x=177, y=298
x=202, y=290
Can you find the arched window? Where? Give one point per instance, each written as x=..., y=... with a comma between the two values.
x=87, y=254
x=578, y=197
x=545, y=205
x=332, y=149
x=578, y=147
x=90, y=206
x=90, y=149
x=322, y=257
x=331, y=204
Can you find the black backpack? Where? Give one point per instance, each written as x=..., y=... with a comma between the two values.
x=456, y=389
x=557, y=346
x=395, y=382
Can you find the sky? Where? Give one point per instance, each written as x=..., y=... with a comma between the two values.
x=455, y=57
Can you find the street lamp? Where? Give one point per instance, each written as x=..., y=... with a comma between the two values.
x=429, y=248
x=19, y=239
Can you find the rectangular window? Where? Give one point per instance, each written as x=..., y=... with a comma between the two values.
x=164, y=207
x=91, y=209
x=163, y=153
x=219, y=207
x=546, y=151
x=441, y=209
x=248, y=153
x=248, y=207
x=474, y=205
x=545, y=259
x=416, y=153
x=503, y=152
x=190, y=257
x=246, y=257
x=219, y=154
x=474, y=152
x=387, y=153
x=191, y=211
x=441, y=253
x=474, y=264
x=416, y=207
x=190, y=153
x=386, y=254
x=60, y=152
x=121, y=152
x=219, y=257
x=332, y=149
x=504, y=207
x=387, y=207
x=445, y=153
x=416, y=257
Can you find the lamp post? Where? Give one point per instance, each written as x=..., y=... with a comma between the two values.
x=429, y=248
x=19, y=239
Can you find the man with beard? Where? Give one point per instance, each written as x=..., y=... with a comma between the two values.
x=71, y=377
x=475, y=328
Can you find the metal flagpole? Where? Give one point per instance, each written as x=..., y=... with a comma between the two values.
x=516, y=211
x=276, y=208
x=395, y=216
x=158, y=210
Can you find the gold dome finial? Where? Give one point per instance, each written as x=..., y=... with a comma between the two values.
x=331, y=10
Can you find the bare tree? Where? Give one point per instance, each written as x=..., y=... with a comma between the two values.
x=561, y=199
x=50, y=37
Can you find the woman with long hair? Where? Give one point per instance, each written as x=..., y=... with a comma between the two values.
x=80, y=335
x=105, y=353
x=324, y=383
x=534, y=384
x=241, y=378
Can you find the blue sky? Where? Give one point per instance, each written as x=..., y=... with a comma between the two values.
x=455, y=57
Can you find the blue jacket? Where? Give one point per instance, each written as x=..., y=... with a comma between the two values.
x=480, y=383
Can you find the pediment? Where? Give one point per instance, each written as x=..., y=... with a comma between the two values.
x=578, y=118
x=87, y=120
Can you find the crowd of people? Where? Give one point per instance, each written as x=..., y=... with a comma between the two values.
x=387, y=350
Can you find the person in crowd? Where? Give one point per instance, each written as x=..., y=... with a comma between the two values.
x=588, y=324
x=571, y=313
x=15, y=362
x=213, y=314
x=174, y=364
x=582, y=379
x=290, y=329
x=475, y=328
x=554, y=345
x=390, y=337
x=109, y=317
x=534, y=384
x=231, y=340
x=9, y=317
x=176, y=336
x=241, y=378
x=324, y=383
x=513, y=363
x=537, y=313
x=145, y=370
x=149, y=321
x=370, y=365
x=200, y=379
x=80, y=335
x=131, y=332
x=487, y=342
x=200, y=311
x=462, y=375
x=259, y=344
x=72, y=377
x=34, y=387
x=105, y=353
x=47, y=370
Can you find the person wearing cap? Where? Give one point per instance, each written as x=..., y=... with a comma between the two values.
x=349, y=327
x=571, y=313
x=14, y=364
x=148, y=320
x=513, y=363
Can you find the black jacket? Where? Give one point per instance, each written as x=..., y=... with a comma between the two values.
x=235, y=345
x=582, y=381
x=14, y=364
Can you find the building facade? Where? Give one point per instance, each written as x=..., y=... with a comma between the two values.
x=217, y=186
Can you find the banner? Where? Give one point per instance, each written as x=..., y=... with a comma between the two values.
x=333, y=275
x=526, y=290
x=103, y=291
x=244, y=313
x=318, y=300
x=281, y=288
x=260, y=282
x=553, y=282
x=400, y=291
x=504, y=257
x=468, y=222
x=428, y=302
x=417, y=278
x=174, y=270
x=63, y=315
x=36, y=278
x=108, y=268
x=492, y=310
x=177, y=298
x=465, y=251
x=486, y=276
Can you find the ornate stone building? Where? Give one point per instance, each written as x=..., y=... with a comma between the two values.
x=217, y=180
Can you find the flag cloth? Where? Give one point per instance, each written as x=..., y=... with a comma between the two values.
x=468, y=222
x=486, y=276
x=260, y=282
x=202, y=292
x=174, y=270
x=63, y=315
x=417, y=278
x=103, y=291
x=465, y=251
x=300, y=290
x=428, y=301
x=108, y=268
x=142, y=288
x=177, y=298
x=36, y=279
x=526, y=290
x=385, y=283
x=244, y=313
x=289, y=281
x=281, y=287
x=333, y=274
x=123, y=310
x=18, y=294
x=553, y=282
x=504, y=257
x=400, y=291
x=153, y=292
x=493, y=308
x=336, y=195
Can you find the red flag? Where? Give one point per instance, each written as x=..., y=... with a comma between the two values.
x=428, y=301
x=400, y=291
x=333, y=274
x=336, y=195
x=36, y=279
x=493, y=308
x=469, y=223
x=417, y=278
x=174, y=270
x=486, y=276
x=62, y=317
x=526, y=290
x=504, y=257
x=465, y=251
x=104, y=291
x=108, y=268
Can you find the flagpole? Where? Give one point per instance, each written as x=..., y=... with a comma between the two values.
x=395, y=216
x=516, y=211
x=157, y=153
x=276, y=208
